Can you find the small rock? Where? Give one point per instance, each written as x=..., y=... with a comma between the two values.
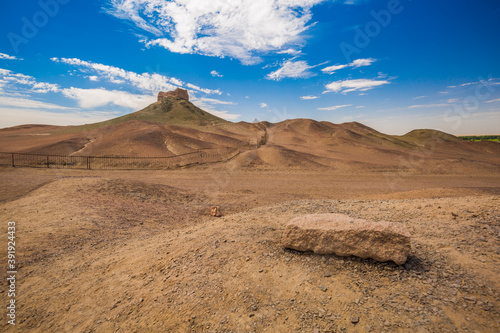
x=215, y=211
x=323, y=288
x=354, y=319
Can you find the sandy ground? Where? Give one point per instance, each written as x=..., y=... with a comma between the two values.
x=125, y=251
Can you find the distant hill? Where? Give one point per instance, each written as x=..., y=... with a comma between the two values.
x=170, y=111
x=175, y=126
x=423, y=136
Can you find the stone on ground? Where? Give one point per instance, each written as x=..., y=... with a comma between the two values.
x=345, y=236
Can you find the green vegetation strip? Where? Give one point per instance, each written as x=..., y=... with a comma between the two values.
x=495, y=138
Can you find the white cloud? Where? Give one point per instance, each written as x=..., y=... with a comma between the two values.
x=263, y=105
x=356, y=63
x=224, y=114
x=93, y=78
x=91, y=98
x=305, y=98
x=152, y=83
x=333, y=69
x=239, y=29
x=15, y=116
x=213, y=101
x=8, y=57
x=335, y=107
x=419, y=97
x=208, y=104
x=291, y=69
x=11, y=79
x=29, y=103
x=44, y=87
x=493, y=100
x=362, y=62
x=290, y=52
x=440, y=105
x=360, y=106
x=214, y=73
x=354, y=85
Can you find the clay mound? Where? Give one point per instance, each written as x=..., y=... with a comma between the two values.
x=423, y=136
x=324, y=134
x=133, y=138
x=136, y=138
x=279, y=158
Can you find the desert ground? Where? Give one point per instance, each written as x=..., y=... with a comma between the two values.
x=137, y=251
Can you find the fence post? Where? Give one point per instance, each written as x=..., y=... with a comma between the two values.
x=48, y=164
x=88, y=162
x=13, y=164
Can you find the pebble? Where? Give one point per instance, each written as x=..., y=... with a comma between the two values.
x=354, y=319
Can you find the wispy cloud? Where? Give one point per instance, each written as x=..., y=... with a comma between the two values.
x=8, y=57
x=263, y=105
x=334, y=107
x=362, y=62
x=19, y=116
x=211, y=105
x=92, y=98
x=290, y=52
x=213, y=101
x=356, y=63
x=490, y=82
x=147, y=82
x=354, y=85
x=333, y=69
x=305, y=98
x=29, y=103
x=419, y=97
x=10, y=79
x=224, y=114
x=291, y=69
x=493, y=100
x=214, y=73
x=436, y=105
x=239, y=29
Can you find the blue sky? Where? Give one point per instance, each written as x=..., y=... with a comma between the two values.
x=393, y=65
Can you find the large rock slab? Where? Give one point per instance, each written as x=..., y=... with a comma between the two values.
x=345, y=236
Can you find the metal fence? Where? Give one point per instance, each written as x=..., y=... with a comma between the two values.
x=116, y=162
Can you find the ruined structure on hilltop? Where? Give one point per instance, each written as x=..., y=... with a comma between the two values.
x=178, y=93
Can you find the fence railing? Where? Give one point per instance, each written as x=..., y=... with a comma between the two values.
x=116, y=162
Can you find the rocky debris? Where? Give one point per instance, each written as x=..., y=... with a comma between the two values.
x=215, y=211
x=342, y=235
x=177, y=93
